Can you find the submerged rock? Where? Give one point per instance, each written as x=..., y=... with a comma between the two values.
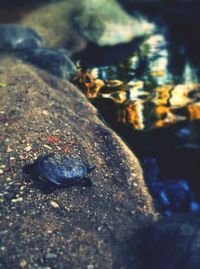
x=16, y=37
x=172, y=243
x=56, y=62
x=106, y=23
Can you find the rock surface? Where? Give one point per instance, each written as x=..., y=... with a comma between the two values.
x=57, y=62
x=72, y=24
x=14, y=37
x=55, y=23
x=106, y=23
x=172, y=243
x=79, y=226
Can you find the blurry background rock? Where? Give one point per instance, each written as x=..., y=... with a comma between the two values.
x=71, y=24
x=55, y=23
x=172, y=243
x=105, y=23
x=56, y=62
x=15, y=37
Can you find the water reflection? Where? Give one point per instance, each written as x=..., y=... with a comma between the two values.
x=152, y=98
x=147, y=93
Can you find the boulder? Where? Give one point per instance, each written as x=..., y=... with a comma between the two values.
x=106, y=23
x=71, y=24
x=172, y=243
x=78, y=226
x=55, y=23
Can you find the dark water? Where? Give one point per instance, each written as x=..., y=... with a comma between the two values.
x=149, y=93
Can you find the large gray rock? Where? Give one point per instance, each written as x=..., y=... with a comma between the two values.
x=106, y=23
x=55, y=23
x=42, y=226
x=71, y=24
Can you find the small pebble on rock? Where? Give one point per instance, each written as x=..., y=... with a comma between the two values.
x=28, y=148
x=51, y=256
x=54, y=204
x=90, y=266
x=23, y=263
x=20, y=199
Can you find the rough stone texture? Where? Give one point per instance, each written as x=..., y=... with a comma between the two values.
x=172, y=243
x=90, y=225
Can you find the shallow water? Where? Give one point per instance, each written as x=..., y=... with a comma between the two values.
x=151, y=98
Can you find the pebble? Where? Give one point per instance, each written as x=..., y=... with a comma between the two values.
x=51, y=256
x=47, y=147
x=8, y=149
x=28, y=148
x=45, y=112
x=90, y=266
x=54, y=204
x=23, y=263
x=1, y=171
x=43, y=267
x=20, y=199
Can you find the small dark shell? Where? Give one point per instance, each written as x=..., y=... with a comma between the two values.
x=61, y=169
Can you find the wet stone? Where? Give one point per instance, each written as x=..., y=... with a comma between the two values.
x=56, y=62
x=16, y=37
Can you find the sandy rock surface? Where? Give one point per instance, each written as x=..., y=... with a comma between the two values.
x=79, y=226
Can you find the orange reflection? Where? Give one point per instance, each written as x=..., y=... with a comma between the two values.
x=142, y=106
x=133, y=114
x=194, y=111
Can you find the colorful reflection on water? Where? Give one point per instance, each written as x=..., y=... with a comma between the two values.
x=153, y=101
x=147, y=94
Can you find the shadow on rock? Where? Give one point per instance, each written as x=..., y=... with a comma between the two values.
x=172, y=243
